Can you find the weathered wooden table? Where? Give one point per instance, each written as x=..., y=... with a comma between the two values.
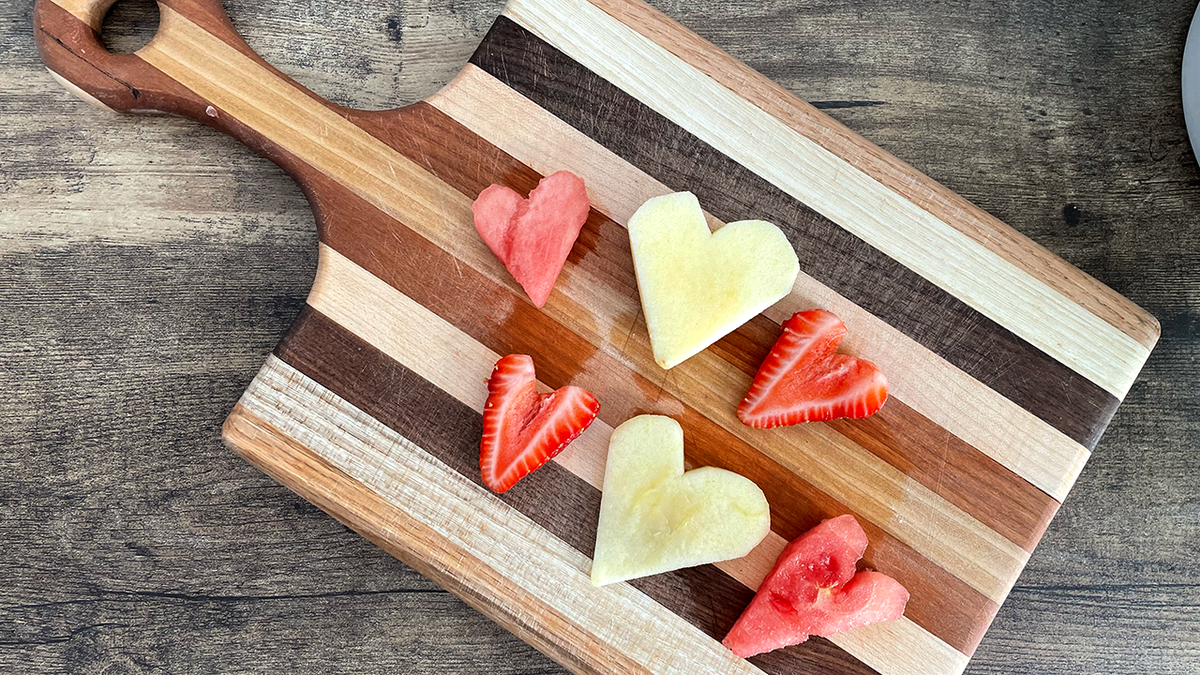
x=148, y=266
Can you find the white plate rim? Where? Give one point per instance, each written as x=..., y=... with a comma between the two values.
x=1191, y=84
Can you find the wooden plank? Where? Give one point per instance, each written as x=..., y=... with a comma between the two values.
x=937, y=390
x=945, y=205
x=540, y=583
x=410, y=326
x=397, y=395
x=947, y=325
x=816, y=177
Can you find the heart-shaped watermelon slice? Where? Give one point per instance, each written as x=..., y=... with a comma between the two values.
x=814, y=590
x=533, y=236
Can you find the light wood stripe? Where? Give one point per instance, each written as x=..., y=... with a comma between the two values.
x=944, y=204
x=846, y=195
x=517, y=549
x=456, y=363
x=255, y=96
x=91, y=12
x=1002, y=430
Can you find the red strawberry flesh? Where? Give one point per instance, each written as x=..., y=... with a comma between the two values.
x=524, y=429
x=804, y=379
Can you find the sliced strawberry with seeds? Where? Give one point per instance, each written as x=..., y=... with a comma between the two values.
x=522, y=429
x=804, y=379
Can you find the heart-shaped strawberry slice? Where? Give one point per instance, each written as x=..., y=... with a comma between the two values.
x=804, y=379
x=814, y=590
x=533, y=236
x=523, y=429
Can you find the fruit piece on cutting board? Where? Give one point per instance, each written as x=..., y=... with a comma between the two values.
x=655, y=518
x=698, y=286
x=804, y=379
x=814, y=590
x=524, y=429
x=533, y=236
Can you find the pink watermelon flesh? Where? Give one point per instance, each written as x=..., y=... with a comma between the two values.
x=814, y=590
x=533, y=236
x=494, y=211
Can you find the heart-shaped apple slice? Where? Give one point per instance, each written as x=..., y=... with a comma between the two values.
x=533, y=236
x=698, y=286
x=655, y=518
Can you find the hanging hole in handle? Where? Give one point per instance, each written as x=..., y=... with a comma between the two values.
x=129, y=25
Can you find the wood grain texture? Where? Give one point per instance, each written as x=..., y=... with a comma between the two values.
x=404, y=536
x=867, y=277
x=900, y=229
x=149, y=226
x=544, y=584
x=944, y=204
x=561, y=499
x=936, y=390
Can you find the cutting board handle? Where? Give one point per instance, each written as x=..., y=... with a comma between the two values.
x=67, y=33
x=195, y=59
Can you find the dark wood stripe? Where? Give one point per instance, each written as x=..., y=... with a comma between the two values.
x=500, y=319
x=122, y=82
x=956, y=470
x=966, y=338
x=553, y=497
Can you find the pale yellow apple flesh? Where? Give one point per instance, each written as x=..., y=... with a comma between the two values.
x=655, y=518
x=698, y=286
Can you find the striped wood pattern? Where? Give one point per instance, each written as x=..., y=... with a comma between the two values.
x=1005, y=362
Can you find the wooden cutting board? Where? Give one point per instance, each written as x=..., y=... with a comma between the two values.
x=1005, y=362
